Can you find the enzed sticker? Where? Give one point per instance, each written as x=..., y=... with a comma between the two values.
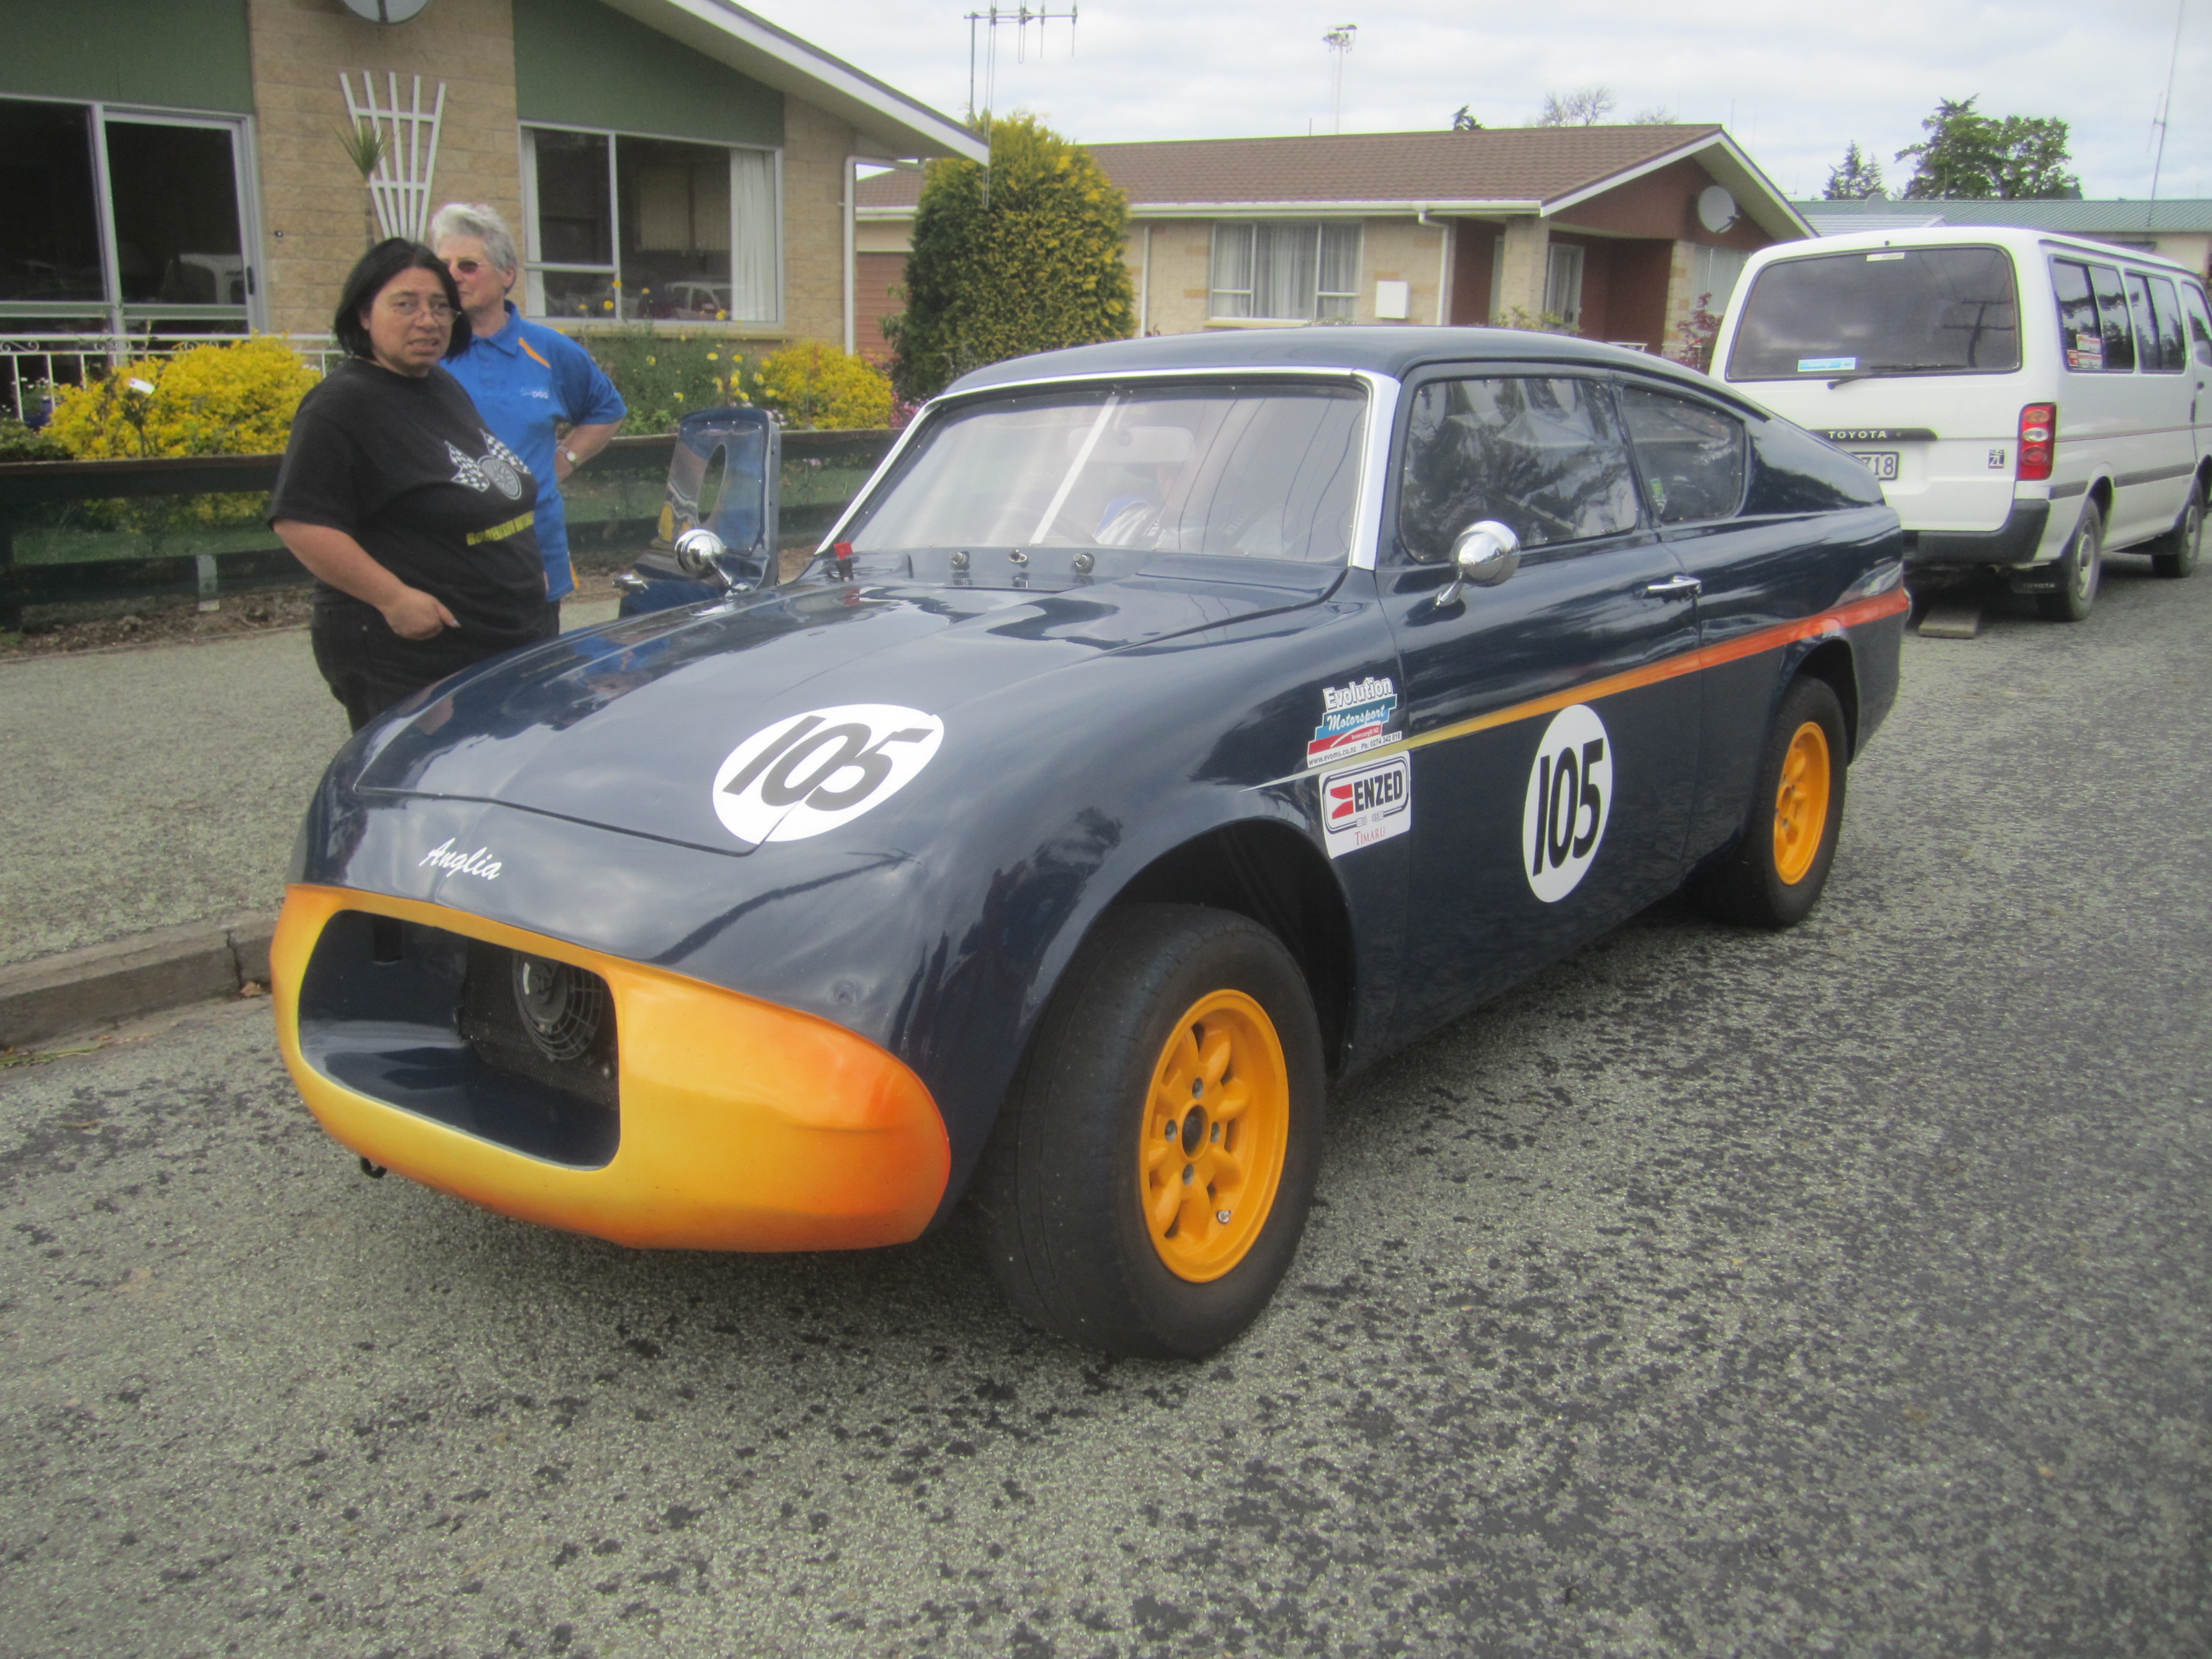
x=1569, y=798
x=1826, y=365
x=806, y=775
x=1363, y=805
x=1353, y=717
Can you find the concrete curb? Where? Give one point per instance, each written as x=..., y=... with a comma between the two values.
x=126, y=978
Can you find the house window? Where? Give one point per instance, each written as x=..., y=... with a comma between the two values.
x=634, y=227
x=115, y=220
x=1285, y=272
x=1714, y=271
x=1563, y=284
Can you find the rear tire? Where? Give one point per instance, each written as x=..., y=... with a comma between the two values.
x=1775, y=878
x=2080, y=569
x=1149, y=1179
x=2174, y=555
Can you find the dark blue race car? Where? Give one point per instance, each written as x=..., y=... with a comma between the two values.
x=1168, y=727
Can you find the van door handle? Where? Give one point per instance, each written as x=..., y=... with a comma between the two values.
x=1675, y=587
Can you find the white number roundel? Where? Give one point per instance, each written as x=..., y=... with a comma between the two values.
x=814, y=771
x=1569, y=798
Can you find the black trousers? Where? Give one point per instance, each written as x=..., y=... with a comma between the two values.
x=369, y=668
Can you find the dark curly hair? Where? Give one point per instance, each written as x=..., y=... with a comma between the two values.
x=366, y=281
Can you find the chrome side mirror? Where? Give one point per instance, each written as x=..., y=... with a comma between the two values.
x=1485, y=553
x=698, y=556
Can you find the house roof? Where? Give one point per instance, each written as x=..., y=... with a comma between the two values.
x=1524, y=170
x=2103, y=218
x=882, y=115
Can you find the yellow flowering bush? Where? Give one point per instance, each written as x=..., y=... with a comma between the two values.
x=811, y=385
x=233, y=399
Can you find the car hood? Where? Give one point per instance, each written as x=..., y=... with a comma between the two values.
x=623, y=726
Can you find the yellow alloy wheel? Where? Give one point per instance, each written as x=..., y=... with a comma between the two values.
x=1217, y=1122
x=1801, y=804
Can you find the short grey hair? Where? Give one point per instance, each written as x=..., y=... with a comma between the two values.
x=481, y=221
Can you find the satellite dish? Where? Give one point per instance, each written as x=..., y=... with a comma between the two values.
x=1716, y=209
x=385, y=11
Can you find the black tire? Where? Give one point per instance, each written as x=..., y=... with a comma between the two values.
x=2174, y=555
x=1062, y=1183
x=2080, y=569
x=1753, y=887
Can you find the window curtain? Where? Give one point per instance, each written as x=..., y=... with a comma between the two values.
x=753, y=291
x=1231, y=281
x=1283, y=257
x=1340, y=273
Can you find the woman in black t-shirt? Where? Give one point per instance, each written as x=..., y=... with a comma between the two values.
x=413, y=519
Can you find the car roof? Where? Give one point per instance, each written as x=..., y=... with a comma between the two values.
x=1395, y=352
x=2013, y=237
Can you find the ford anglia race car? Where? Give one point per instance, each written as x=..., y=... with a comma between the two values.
x=1168, y=727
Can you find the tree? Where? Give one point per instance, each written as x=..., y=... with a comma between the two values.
x=1966, y=155
x=1027, y=254
x=1463, y=120
x=1657, y=115
x=1585, y=107
x=1856, y=178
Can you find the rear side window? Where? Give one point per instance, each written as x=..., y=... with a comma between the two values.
x=1886, y=311
x=1692, y=457
x=2118, y=334
x=2172, y=356
x=2200, y=325
x=2078, y=333
x=1542, y=455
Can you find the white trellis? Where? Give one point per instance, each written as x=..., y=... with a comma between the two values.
x=400, y=186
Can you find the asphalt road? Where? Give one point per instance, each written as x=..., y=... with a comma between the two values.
x=1840, y=1291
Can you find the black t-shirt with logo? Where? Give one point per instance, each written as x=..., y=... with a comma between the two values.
x=405, y=466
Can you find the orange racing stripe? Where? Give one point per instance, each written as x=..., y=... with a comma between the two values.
x=1833, y=621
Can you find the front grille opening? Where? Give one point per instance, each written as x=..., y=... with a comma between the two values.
x=518, y=1049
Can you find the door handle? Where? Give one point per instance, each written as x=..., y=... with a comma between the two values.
x=1675, y=587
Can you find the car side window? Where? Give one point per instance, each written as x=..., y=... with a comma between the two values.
x=1542, y=455
x=2172, y=350
x=2120, y=335
x=1692, y=456
x=2200, y=323
x=2147, y=331
x=2081, y=340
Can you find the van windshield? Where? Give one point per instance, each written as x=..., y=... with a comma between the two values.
x=1883, y=310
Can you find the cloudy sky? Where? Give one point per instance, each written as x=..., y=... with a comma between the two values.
x=1794, y=83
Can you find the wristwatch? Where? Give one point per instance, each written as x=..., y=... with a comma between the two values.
x=569, y=456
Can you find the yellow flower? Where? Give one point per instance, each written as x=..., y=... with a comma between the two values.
x=721, y=316
x=607, y=305
x=651, y=361
x=679, y=397
x=714, y=356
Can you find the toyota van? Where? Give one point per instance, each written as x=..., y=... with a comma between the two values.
x=2027, y=401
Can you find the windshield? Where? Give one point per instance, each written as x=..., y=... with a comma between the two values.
x=1887, y=311
x=1267, y=472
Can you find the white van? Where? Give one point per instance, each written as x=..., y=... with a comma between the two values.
x=2027, y=400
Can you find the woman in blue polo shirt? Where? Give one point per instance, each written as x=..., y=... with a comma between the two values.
x=525, y=379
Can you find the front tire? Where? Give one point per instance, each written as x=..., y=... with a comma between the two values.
x=1149, y=1176
x=1775, y=878
x=2174, y=555
x=2080, y=569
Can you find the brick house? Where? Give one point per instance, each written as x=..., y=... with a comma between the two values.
x=178, y=167
x=1615, y=231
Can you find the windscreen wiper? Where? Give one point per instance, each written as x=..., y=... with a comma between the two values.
x=1889, y=369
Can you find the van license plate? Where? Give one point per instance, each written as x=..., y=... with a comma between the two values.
x=1883, y=463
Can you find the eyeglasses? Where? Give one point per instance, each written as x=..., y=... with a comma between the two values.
x=406, y=305
x=464, y=267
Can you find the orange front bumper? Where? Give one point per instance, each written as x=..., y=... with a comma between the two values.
x=744, y=1126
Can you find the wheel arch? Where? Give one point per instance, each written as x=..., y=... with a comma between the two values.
x=1269, y=872
x=1831, y=661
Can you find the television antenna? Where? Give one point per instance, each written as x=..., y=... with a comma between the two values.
x=1018, y=18
x=1339, y=42
x=2165, y=110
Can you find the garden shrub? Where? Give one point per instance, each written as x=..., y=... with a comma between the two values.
x=228, y=399
x=664, y=377
x=811, y=385
x=1028, y=254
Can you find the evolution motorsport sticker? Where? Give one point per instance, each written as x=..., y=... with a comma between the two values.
x=1353, y=717
x=806, y=775
x=1363, y=805
x=1570, y=795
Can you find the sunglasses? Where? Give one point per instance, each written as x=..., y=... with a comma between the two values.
x=464, y=267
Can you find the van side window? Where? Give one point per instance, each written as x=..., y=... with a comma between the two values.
x=2112, y=318
x=2200, y=325
x=1692, y=456
x=2173, y=354
x=1544, y=456
x=2078, y=333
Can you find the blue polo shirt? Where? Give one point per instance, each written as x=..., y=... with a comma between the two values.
x=523, y=379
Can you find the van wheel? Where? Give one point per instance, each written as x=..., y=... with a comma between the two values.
x=1775, y=877
x=2175, y=553
x=2079, y=569
x=1149, y=1178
